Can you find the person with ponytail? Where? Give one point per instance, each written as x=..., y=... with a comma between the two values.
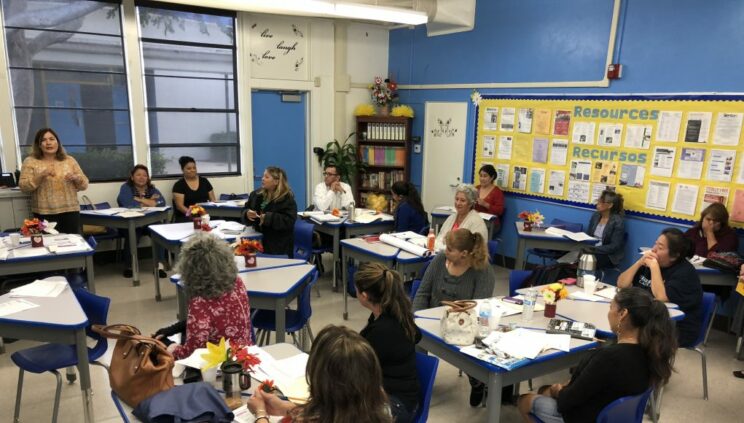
x=461, y=273
x=393, y=335
x=666, y=273
x=641, y=358
x=409, y=212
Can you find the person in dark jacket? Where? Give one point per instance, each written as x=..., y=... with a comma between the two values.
x=409, y=213
x=272, y=210
x=608, y=224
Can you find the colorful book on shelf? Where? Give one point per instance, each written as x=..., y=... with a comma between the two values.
x=400, y=157
x=379, y=156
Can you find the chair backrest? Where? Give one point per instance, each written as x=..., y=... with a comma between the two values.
x=516, y=280
x=426, y=368
x=422, y=272
x=303, y=239
x=96, y=308
x=415, y=284
x=569, y=226
x=225, y=197
x=493, y=249
x=272, y=255
x=305, y=309
x=626, y=409
x=92, y=242
x=709, y=310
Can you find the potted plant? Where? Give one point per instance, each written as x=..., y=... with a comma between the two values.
x=344, y=157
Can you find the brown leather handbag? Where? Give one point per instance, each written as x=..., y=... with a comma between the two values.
x=140, y=366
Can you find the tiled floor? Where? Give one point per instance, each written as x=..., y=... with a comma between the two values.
x=683, y=399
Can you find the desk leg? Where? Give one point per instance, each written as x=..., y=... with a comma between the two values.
x=281, y=323
x=336, y=242
x=84, y=369
x=132, y=235
x=155, y=270
x=344, y=276
x=90, y=274
x=519, y=260
x=494, y=397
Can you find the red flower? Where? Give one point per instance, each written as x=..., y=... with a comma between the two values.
x=267, y=386
x=247, y=359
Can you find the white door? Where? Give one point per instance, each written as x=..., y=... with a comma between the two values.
x=444, y=152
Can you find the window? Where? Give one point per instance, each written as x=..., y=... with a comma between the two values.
x=66, y=65
x=189, y=62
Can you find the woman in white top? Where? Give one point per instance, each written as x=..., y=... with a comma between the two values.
x=464, y=217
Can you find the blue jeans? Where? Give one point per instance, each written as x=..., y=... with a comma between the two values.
x=546, y=409
x=401, y=414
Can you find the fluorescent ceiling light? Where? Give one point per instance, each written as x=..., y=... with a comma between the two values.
x=319, y=8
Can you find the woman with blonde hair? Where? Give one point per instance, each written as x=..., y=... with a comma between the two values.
x=345, y=383
x=393, y=335
x=461, y=273
x=464, y=217
x=272, y=210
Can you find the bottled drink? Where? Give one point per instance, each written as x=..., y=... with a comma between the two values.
x=528, y=305
x=484, y=319
x=430, y=239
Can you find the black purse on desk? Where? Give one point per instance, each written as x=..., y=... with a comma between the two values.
x=729, y=262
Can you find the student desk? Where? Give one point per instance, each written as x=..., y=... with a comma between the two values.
x=232, y=209
x=441, y=213
x=596, y=314
x=150, y=216
x=707, y=275
x=272, y=287
x=493, y=376
x=333, y=229
x=542, y=239
x=57, y=320
x=170, y=236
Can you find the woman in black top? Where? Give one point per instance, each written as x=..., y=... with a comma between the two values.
x=189, y=190
x=393, y=335
x=641, y=358
x=272, y=210
x=665, y=271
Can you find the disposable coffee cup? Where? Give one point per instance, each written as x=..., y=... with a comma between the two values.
x=590, y=284
x=15, y=239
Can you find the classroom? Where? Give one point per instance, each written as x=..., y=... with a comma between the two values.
x=575, y=108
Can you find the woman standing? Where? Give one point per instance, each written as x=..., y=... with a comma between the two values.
x=138, y=191
x=712, y=232
x=464, y=217
x=461, y=273
x=490, y=198
x=665, y=271
x=641, y=358
x=190, y=189
x=608, y=225
x=409, y=214
x=393, y=335
x=272, y=210
x=53, y=179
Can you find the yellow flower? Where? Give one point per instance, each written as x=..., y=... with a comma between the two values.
x=216, y=354
x=402, y=110
x=364, y=110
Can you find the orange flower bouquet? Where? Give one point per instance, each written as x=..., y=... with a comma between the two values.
x=196, y=210
x=248, y=248
x=531, y=219
x=200, y=217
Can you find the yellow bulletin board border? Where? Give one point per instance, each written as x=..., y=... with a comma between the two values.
x=649, y=123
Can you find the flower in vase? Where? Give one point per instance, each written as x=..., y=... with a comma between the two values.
x=33, y=226
x=215, y=355
x=196, y=210
x=248, y=246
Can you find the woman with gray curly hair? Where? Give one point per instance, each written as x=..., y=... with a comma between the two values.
x=465, y=216
x=218, y=303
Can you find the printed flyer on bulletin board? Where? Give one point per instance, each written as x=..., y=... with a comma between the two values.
x=668, y=156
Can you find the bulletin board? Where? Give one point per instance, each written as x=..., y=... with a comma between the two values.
x=669, y=156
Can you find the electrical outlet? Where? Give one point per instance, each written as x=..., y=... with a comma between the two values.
x=417, y=148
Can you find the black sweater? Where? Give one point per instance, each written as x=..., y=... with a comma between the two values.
x=278, y=224
x=397, y=355
x=607, y=374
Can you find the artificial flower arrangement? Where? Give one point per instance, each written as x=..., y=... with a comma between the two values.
x=33, y=226
x=383, y=91
x=220, y=355
x=402, y=110
x=248, y=246
x=364, y=110
x=196, y=210
x=377, y=202
x=531, y=219
x=551, y=294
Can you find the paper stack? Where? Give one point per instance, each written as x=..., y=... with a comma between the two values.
x=40, y=288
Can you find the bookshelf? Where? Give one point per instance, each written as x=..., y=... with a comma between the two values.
x=384, y=144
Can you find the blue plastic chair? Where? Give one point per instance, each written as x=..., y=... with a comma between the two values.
x=426, y=368
x=623, y=410
x=415, y=284
x=516, y=280
x=303, y=247
x=709, y=310
x=225, y=197
x=50, y=357
x=111, y=233
x=546, y=254
x=120, y=408
x=493, y=250
x=264, y=321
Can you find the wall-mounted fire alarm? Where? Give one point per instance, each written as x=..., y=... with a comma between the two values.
x=614, y=71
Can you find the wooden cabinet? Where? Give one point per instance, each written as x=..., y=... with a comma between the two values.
x=384, y=144
x=14, y=207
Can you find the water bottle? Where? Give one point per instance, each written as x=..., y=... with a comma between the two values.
x=528, y=305
x=431, y=239
x=587, y=266
x=350, y=218
x=484, y=319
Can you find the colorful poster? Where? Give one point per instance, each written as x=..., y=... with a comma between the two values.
x=519, y=182
x=632, y=175
x=609, y=134
x=604, y=172
x=542, y=121
x=562, y=122
x=714, y=195
x=583, y=133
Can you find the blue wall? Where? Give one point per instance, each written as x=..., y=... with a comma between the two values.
x=673, y=46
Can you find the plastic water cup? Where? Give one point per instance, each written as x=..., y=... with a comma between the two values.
x=210, y=376
x=495, y=319
x=15, y=239
x=590, y=284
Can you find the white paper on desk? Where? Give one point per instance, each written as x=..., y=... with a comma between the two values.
x=405, y=245
x=155, y=208
x=311, y=213
x=558, y=341
x=194, y=360
x=30, y=252
x=580, y=295
x=539, y=305
x=109, y=212
x=40, y=288
x=67, y=249
x=486, y=216
x=609, y=292
x=574, y=236
x=696, y=259
x=130, y=213
x=407, y=235
x=522, y=343
x=230, y=226
x=288, y=374
x=325, y=217
x=15, y=306
x=506, y=309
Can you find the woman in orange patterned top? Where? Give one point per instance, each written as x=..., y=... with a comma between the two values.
x=53, y=178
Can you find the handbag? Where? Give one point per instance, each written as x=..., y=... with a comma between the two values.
x=92, y=229
x=140, y=366
x=728, y=262
x=459, y=325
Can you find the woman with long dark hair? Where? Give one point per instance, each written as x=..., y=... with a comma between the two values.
x=393, y=335
x=490, y=197
x=190, y=189
x=272, y=210
x=608, y=225
x=409, y=213
x=641, y=358
x=712, y=232
x=666, y=273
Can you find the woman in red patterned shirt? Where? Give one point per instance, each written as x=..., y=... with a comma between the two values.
x=218, y=302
